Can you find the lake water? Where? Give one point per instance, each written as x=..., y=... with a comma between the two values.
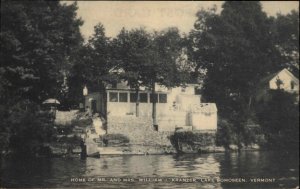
x=221, y=170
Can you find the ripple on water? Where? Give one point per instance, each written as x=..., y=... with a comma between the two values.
x=57, y=172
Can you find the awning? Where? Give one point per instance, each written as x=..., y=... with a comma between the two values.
x=51, y=101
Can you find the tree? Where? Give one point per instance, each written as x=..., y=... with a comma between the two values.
x=285, y=32
x=164, y=70
x=149, y=59
x=29, y=128
x=133, y=50
x=236, y=50
x=91, y=64
x=279, y=118
x=37, y=39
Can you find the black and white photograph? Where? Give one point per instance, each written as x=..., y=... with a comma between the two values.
x=149, y=94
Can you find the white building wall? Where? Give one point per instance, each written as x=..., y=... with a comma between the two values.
x=204, y=121
x=179, y=111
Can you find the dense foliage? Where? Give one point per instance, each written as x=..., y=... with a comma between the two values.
x=37, y=40
x=92, y=64
x=192, y=139
x=237, y=48
x=279, y=120
x=26, y=128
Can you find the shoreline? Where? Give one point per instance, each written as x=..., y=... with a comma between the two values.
x=121, y=153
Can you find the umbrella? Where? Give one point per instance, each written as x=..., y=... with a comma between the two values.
x=51, y=101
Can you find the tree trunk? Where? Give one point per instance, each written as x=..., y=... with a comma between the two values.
x=154, y=105
x=103, y=108
x=137, y=104
x=250, y=102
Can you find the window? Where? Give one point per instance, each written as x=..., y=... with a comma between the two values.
x=153, y=98
x=183, y=89
x=162, y=98
x=143, y=97
x=292, y=85
x=132, y=97
x=113, y=97
x=123, y=97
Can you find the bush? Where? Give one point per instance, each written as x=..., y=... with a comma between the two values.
x=225, y=134
x=75, y=140
x=82, y=122
x=28, y=127
x=110, y=139
x=64, y=129
x=279, y=118
x=192, y=139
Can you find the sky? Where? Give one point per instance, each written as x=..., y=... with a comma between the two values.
x=154, y=15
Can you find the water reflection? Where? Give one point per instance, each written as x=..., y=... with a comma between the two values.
x=260, y=165
x=58, y=172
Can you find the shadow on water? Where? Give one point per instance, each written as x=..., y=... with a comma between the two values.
x=39, y=172
x=58, y=172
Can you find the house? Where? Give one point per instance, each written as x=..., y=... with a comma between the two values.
x=177, y=107
x=284, y=80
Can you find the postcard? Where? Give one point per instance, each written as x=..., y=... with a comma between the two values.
x=149, y=94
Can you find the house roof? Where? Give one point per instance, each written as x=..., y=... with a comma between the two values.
x=265, y=80
x=288, y=72
x=122, y=85
x=269, y=77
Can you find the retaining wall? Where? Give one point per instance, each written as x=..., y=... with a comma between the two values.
x=139, y=130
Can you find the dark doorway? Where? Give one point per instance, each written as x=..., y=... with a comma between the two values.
x=94, y=106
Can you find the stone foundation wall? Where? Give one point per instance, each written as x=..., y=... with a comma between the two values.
x=139, y=130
